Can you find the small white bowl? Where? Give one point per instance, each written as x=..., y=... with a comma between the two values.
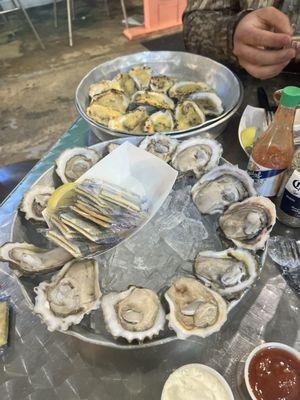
x=255, y=351
x=201, y=367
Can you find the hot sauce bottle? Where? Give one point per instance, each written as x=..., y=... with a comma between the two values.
x=272, y=153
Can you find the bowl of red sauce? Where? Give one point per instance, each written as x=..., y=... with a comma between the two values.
x=272, y=372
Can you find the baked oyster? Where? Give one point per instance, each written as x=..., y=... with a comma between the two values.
x=183, y=89
x=27, y=259
x=229, y=272
x=220, y=187
x=249, y=223
x=141, y=76
x=35, y=201
x=160, y=121
x=132, y=122
x=103, y=86
x=188, y=114
x=74, y=162
x=161, y=83
x=101, y=114
x=113, y=99
x=160, y=145
x=135, y=314
x=153, y=99
x=209, y=102
x=72, y=293
x=197, y=155
x=194, y=309
x=126, y=83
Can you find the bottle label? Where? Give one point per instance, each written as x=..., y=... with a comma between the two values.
x=267, y=181
x=290, y=201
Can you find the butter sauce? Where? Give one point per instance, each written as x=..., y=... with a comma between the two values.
x=274, y=374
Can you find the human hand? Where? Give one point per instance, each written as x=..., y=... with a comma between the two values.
x=259, y=42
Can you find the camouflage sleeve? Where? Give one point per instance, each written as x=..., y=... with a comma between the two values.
x=209, y=26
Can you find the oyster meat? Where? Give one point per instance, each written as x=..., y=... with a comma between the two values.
x=135, y=314
x=220, y=187
x=161, y=83
x=160, y=145
x=103, y=86
x=35, y=201
x=126, y=83
x=198, y=155
x=153, y=99
x=183, y=89
x=249, y=223
x=194, y=309
x=72, y=293
x=188, y=114
x=132, y=122
x=209, y=102
x=112, y=99
x=160, y=121
x=74, y=162
x=228, y=272
x=27, y=259
x=141, y=76
x=101, y=114
x=112, y=146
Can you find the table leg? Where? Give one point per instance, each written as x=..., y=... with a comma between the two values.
x=55, y=13
x=70, y=23
x=124, y=13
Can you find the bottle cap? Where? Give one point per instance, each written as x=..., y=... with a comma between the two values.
x=290, y=96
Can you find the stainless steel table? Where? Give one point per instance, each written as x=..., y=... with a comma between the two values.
x=39, y=365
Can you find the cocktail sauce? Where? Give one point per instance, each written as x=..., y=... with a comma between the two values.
x=274, y=374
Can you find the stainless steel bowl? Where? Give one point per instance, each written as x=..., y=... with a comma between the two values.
x=183, y=66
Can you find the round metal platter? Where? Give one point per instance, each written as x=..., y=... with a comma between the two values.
x=180, y=65
x=92, y=327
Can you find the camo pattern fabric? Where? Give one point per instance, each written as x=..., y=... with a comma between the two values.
x=209, y=24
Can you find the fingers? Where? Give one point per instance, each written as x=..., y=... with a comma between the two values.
x=263, y=72
x=257, y=56
x=275, y=19
x=262, y=38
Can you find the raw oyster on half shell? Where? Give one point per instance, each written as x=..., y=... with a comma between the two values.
x=27, y=259
x=160, y=145
x=132, y=122
x=160, y=121
x=153, y=99
x=194, y=309
x=183, y=89
x=74, y=162
x=112, y=146
x=249, y=223
x=188, y=114
x=228, y=272
x=209, y=102
x=135, y=314
x=72, y=293
x=141, y=76
x=35, y=201
x=220, y=187
x=198, y=155
x=161, y=83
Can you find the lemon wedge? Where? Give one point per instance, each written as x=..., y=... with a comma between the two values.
x=61, y=196
x=248, y=136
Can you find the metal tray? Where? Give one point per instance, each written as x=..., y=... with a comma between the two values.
x=92, y=328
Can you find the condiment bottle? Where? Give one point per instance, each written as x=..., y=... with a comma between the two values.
x=288, y=198
x=273, y=152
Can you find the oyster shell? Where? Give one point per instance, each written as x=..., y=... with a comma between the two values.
x=72, y=293
x=101, y=114
x=126, y=83
x=220, y=187
x=249, y=223
x=197, y=154
x=132, y=122
x=194, y=309
x=209, y=102
x=112, y=146
x=188, y=114
x=103, y=86
x=35, y=201
x=153, y=99
x=74, y=162
x=161, y=83
x=141, y=76
x=27, y=259
x=135, y=314
x=184, y=88
x=228, y=272
x=160, y=145
x=160, y=121
x=113, y=99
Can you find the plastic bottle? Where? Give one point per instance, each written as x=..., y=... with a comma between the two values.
x=272, y=153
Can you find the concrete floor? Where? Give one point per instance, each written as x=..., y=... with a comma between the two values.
x=37, y=87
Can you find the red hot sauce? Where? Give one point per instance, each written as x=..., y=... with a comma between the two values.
x=274, y=374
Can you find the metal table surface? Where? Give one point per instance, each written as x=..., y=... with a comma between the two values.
x=39, y=365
